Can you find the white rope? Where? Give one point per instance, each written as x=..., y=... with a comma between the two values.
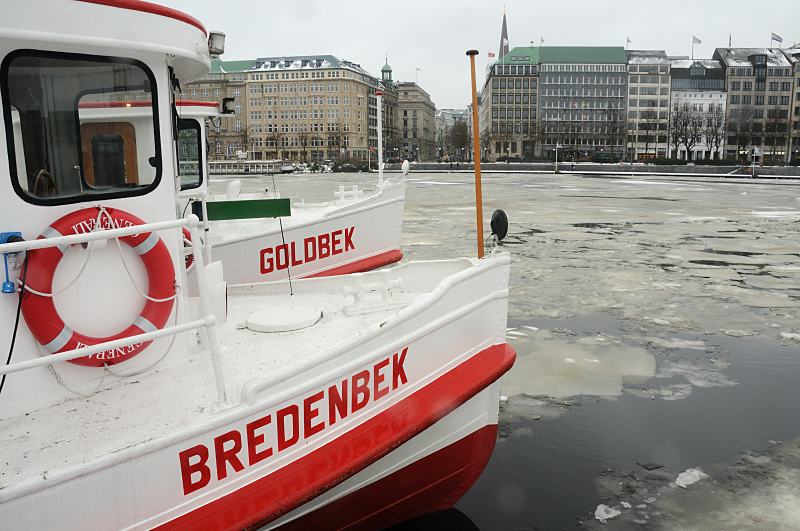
x=71, y=282
x=107, y=368
x=159, y=360
x=125, y=265
x=63, y=384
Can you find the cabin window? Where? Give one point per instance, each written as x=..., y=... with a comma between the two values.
x=108, y=154
x=190, y=163
x=79, y=127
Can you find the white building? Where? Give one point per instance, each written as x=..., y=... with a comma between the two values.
x=697, y=109
x=648, y=103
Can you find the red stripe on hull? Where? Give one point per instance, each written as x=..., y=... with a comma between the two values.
x=154, y=9
x=300, y=481
x=434, y=483
x=364, y=264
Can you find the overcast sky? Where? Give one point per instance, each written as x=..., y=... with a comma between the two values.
x=433, y=35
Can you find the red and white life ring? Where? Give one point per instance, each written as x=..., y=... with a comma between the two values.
x=40, y=312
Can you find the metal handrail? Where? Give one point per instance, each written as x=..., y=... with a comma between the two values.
x=108, y=345
x=208, y=321
x=105, y=234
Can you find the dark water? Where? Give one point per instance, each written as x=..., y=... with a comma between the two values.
x=701, y=278
x=545, y=479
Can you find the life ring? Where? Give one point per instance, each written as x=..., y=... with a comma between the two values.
x=40, y=312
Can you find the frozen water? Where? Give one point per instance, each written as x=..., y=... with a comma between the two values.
x=758, y=492
x=677, y=343
x=689, y=477
x=604, y=512
x=561, y=365
x=790, y=335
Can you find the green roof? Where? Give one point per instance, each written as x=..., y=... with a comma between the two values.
x=565, y=54
x=226, y=67
x=525, y=55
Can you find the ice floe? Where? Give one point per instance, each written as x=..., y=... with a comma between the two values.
x=690, y=476
x=556, y=363
x=604, y=513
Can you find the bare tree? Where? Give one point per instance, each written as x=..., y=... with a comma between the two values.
x=304, y=140
x=337, y=141
x=776, y=126
x=688, y=125
x=715, y=130
x=487, y=137
x=533, y=135
x=459, y=137
x=648, y=125
x=674, y=131
x=617, y=129
x=740, y=126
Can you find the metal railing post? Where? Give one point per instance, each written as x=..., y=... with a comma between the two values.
x=206, y=226
x=212, y=332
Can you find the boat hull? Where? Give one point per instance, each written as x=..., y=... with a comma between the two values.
x=355, y=238
x=427, y=474
x=452, y=408
x=407, y=388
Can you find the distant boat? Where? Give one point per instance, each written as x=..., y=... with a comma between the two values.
x=366, y=224
x=287, y=167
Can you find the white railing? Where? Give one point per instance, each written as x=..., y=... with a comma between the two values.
x=208, y=321
x=202, y=196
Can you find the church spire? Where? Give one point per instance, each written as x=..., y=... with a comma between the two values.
x=503, y=37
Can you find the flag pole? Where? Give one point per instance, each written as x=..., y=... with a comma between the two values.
x=379, y=96
x=476, y=144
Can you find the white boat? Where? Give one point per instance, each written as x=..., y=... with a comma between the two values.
x=133, y=400
x=287, y=167
x=357, y=230
x=244, y=168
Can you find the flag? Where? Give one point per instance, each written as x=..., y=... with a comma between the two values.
x=777, y=38
x=695, y=40
x=491, y=55
x=628, y=40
